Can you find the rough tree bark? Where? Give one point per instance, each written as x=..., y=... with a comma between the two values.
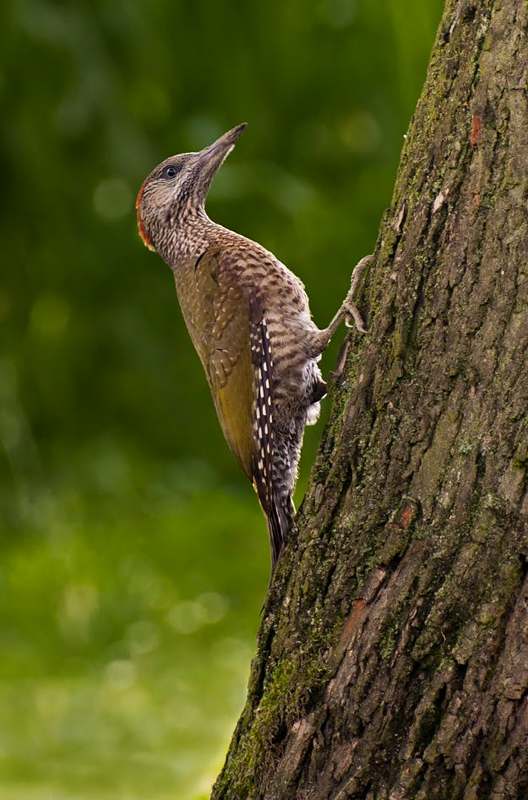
x=393, y=653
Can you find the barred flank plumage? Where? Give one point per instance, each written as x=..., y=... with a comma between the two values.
x=275, y=505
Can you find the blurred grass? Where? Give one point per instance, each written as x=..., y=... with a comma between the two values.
x=127, y=630
x=134, y=560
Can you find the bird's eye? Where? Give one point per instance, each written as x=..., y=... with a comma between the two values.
x=170, y=171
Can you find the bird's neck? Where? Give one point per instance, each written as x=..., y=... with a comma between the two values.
x=192, y=233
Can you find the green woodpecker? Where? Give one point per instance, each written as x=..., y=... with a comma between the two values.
x=249, y=320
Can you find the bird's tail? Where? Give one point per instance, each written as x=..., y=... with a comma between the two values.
x=279, y=512
x=280, y=519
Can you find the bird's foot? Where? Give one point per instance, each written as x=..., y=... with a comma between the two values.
x=351, y=311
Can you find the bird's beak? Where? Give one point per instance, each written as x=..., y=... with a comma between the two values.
x=210, y=158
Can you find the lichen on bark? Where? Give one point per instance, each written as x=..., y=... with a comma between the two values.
x=393, y=654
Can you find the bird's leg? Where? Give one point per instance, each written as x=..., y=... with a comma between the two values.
x=348, y=312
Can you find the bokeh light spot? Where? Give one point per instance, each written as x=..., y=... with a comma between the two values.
x=79, y=602
x=121, y=674
x=212, y=606
x=112, y=199
x=142, y=637
x=185, y=617
x=50, y=316
x=360, y=132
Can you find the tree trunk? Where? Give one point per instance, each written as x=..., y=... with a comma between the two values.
x=393, y=653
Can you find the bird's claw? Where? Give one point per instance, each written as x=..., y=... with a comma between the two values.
x=353, y=317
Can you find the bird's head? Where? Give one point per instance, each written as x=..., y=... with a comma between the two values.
x=179, y=185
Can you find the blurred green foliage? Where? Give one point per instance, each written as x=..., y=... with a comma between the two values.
x=134, y=559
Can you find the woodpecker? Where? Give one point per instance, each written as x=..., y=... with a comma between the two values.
x=249, y=320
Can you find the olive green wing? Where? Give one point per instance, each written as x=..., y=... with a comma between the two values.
x=229, y=330
x=216, y=311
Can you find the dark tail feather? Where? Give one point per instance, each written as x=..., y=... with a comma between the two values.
x=280, y=519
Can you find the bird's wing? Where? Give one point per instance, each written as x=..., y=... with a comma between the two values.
x=222, y=341
x=232, y=340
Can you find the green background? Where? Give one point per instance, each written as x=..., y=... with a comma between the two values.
x=134, y=559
